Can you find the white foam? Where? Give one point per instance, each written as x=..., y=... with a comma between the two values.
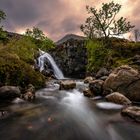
x=108, y=105
x=18, y=100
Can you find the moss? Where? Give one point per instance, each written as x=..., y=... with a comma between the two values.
x=14, y=71
x=120, y=61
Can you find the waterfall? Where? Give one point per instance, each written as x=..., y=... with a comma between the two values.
x=41, y=63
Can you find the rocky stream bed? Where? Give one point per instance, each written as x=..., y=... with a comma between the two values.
x=65, y=115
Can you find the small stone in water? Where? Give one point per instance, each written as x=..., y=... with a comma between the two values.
x=30, y=127
x=49, y=119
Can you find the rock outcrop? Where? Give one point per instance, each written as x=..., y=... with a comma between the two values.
x=71, y=56
x=125, y=80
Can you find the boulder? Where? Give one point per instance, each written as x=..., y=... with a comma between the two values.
x=88, y=79
x=132, y=112
x=88, y=93
x=96, y=87
x=125, y=80
x=118, y=98
x=66, y=85
x=9, y=92
x=29, y=94
x=102, y=72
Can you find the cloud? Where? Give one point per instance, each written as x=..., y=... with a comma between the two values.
x=20, y=13
x=57, y=17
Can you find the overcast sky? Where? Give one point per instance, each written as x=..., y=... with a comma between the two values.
x=58, y=17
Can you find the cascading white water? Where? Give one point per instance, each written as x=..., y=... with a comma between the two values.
x=41, y=61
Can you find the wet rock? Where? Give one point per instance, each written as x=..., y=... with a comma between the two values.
x=102, y=72
x=47, y=73
x=88, y=93
x=118, y=98
x=66, y=85
x=96, y=87
x=29, y=94
x=132, y=112
x=9, y=92
x=125, y=80
x=88, y=79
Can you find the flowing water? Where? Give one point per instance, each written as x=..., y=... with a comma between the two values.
x=65, y=115
x=41, y=63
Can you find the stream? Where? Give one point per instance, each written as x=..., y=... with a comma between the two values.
x=65, y=115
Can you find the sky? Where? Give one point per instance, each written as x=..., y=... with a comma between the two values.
x=58, y=17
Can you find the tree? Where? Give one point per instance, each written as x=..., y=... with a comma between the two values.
x=39, y=38
x=35, y=33
x=3, y=34
x=103, y=22
x=2, y=15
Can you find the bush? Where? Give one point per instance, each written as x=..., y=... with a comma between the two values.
x=14, y=71
x=24, y=48
x=97, y=55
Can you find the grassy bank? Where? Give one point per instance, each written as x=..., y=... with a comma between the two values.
x=119, y=52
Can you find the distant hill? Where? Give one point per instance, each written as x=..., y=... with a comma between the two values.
x=68, y=37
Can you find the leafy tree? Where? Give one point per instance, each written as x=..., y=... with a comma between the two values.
x=3, y=34
x=35, y=33
x=39, y=38
x=2, y=15
x=103, y=22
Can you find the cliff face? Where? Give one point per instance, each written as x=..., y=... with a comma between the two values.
x=70, y=55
